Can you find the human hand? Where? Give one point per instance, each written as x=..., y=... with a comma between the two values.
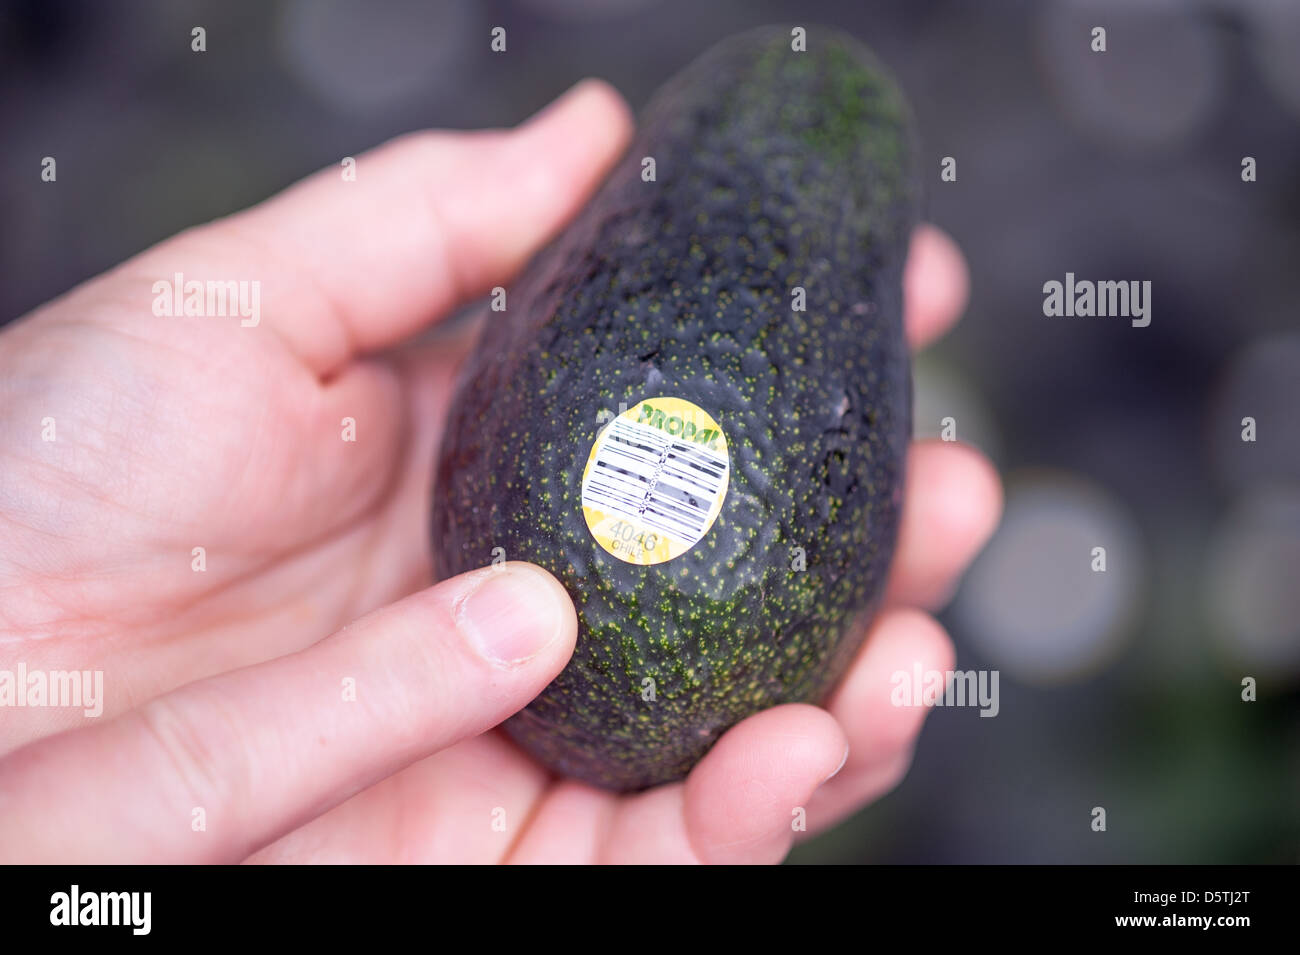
x=225, y=686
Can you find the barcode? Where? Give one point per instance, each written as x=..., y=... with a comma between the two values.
x=669, y=485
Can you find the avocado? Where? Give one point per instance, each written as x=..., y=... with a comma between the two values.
x=695, y=410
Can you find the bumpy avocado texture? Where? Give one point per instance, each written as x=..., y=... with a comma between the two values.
x=781, y=179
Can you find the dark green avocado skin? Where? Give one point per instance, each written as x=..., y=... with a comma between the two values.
x=775, y=169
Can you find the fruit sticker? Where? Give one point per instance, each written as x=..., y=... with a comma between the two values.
x=655, y=480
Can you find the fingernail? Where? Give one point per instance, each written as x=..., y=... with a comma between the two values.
x=510, y=615
x=843, y=759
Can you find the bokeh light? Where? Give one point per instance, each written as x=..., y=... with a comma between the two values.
x=1274, y=27
x=1253, y=582
x=1033, y=602
x=1155, y=85
x=1261, y=382
x=358, y=56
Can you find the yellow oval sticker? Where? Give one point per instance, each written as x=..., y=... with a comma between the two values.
x=655, y=480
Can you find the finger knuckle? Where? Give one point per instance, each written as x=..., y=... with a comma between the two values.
x=200, y=749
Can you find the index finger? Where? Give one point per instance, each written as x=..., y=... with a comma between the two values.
x=352, y=265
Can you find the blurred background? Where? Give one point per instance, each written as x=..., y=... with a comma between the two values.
x=1119, y=689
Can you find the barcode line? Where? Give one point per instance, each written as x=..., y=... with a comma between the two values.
x=671, y=486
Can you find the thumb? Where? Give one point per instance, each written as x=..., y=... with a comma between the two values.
x=264, y=749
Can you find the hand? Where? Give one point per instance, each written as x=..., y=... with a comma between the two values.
x=226, y=669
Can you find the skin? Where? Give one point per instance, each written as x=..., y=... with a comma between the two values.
x=223, y=687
